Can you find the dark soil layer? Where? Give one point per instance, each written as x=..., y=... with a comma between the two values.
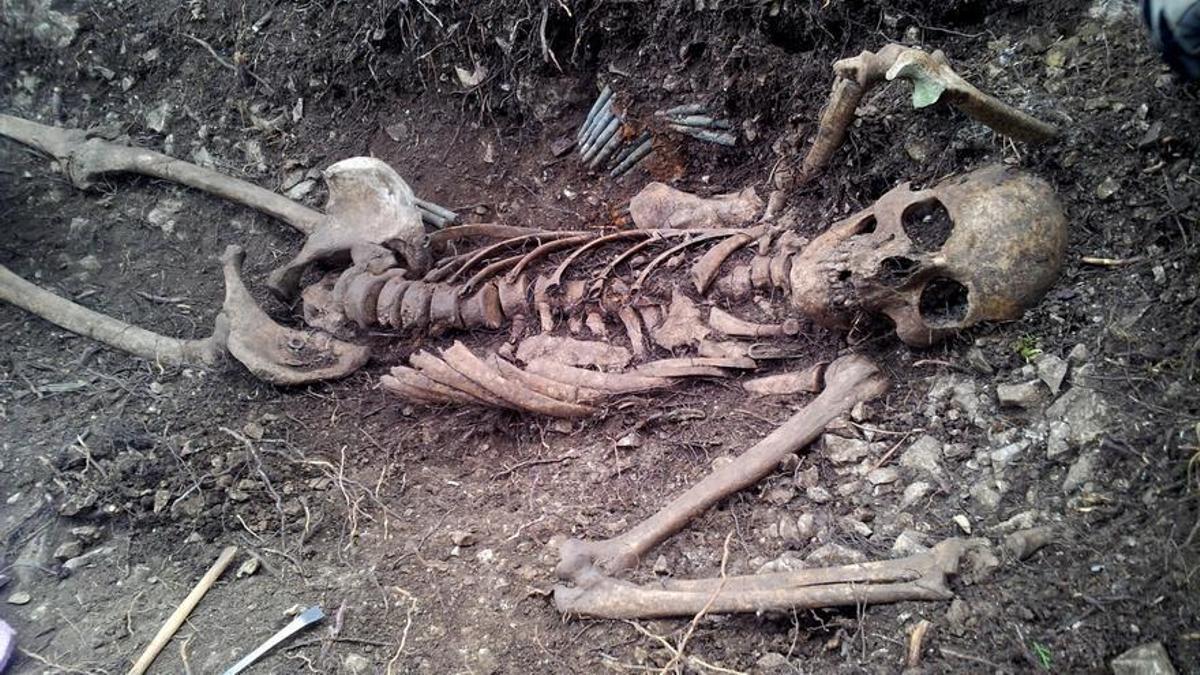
x=357, y=501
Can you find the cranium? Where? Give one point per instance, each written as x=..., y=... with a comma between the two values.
x=980, y=247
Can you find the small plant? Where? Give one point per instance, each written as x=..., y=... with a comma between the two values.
x=1027, y=347
x=1042, y=652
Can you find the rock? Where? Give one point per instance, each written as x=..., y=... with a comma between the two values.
x=818, y=495
x=883, y=476
x=1148, y=659
x=789, y=532
x=1083, y=411
x=1107, y=188
x=19, y=598
x=1080, y=472
x=834, y=554
x=925, y=455
x=562, y=145
x=68, y=549
x=356, y=664
x=987, y=493
x=397, y=131
x=248, y=567
x=962, y=393
x=780, y=495
x=771, y=662
x=630, y=441
x=910, y=542
x=462, y=538
x=1057, y=435
x=1079, y=354
x=1024, y=395
x=958, y=615
x=858, y=527
x=806, y=527
x=979, y=362
x=486, y=556
x=842, y=450
x=807, y=478
x=914, y=493
x=787, y=562
x=963, y=523
x=158, y=117
x=1000, y=457
x=87, y=533
x=1021, y=521
x=1052, y=370
x=163, y=214
x=1025, y=543
x=661, y=566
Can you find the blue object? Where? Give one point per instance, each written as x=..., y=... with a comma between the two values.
x=1175, y=31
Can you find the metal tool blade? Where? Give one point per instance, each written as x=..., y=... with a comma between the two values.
x=302, y=620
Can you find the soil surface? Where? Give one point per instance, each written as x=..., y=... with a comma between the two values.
x=429, y=536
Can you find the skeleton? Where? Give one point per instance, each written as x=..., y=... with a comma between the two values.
x=983, y=246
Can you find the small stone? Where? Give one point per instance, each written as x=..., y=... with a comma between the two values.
x=1148, y=659
x=789, y=561
x=1107, y=188
x=462, y=538
x=68, y=550
x=834, y=554
x=770, y=662
x=630, y=441
x=807, y=478
x=356, y=664
x=806, y=527
x=910, y=542
x=1052, y=370
x=924, y=455
x=158, y=117
x=301, y=190
x=562, y=145
x=842, y=450
x=1000, y=457
x=397, y=132
x=857, y=527
x=780, y=495
x=486, y=556
x=19, y=598
x=987, y=494
x=914, y=493
x=883, y=476
x=979, y=362
x=958, y=615
x=963, y=523
x=1080, y=472
x=1025, y=395
x=1079, y=354
x=253, y=430
x=789, y=533
x=1084, y=412
x=818, y=495
x=1056, y=438
x=87, y=533
x=661, y=566
x=248, y=567
x=916, y=151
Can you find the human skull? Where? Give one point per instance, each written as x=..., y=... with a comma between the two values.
x=979, y=247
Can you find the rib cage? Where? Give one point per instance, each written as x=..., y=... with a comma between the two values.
x=489, y=286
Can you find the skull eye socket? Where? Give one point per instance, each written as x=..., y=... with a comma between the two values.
x=866, y=225
x=927, y=223
x=944, y=302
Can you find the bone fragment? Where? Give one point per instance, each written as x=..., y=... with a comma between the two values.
x=482, y=310
x=781, y=270
x=439, y=371
x=86, y=159
x=406, y=390
x=807, y=381
x=514, y=296
x=613, y=383
x=659, y=206
x=572, y=352
x=694, y=366
x=1027, y=542
x=427, y=388
x=271, y=352
x=709, y=265
x=490, y=231
x=736, y=284
x=541, y=302
x=633, y=329
x=414, y=307
x=443, y=309
x=320, y=309
x=760, y=271
x=727, y=349
x=682, y=326
x=523, y=398
x=387, y=304
x=933, y=80
x=728, y=324
x=362, y=296
x=848, y=380
x=919, y=577
x=544, y=385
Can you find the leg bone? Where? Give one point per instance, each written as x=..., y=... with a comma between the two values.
x=847, y=381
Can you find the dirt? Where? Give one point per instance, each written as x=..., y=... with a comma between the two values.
x=430, y=536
